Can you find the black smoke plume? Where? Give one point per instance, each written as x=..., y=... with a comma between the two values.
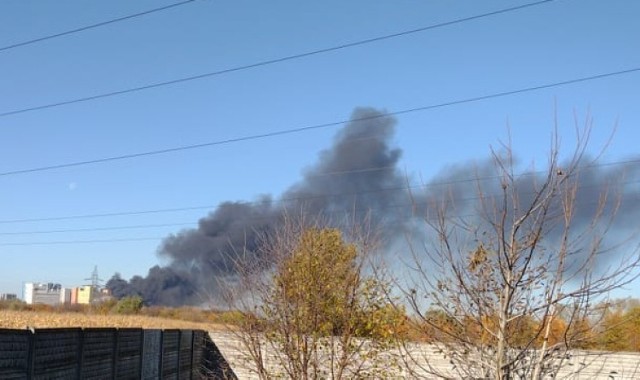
x=356, y=178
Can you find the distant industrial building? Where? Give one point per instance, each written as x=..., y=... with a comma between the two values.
x=55, y=294
x=8, y=296
x=42, y=293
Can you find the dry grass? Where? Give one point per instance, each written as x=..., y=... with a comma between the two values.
x=11, y=319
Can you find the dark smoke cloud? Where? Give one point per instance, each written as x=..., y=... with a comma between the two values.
x=356, y=178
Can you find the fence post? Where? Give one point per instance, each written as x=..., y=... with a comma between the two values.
x=80, y=354
x=114, y=362
x=30, y=355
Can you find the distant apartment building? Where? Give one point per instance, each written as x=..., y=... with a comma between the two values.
x=8, y=296
x=85, y=294
x=42, y=293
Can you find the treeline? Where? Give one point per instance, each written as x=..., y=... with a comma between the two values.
x=615, y=328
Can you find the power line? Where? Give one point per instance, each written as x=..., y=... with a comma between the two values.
x=125, y=213
x=117, y=228
x=189, y=208
x=411, y=206
x=93, y=26
x=324, y=125
x=81, y=241
x=407, y=187
x=272, y=61
x=209, y=207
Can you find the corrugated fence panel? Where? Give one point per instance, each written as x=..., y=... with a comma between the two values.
x=198, y=355
x=14, y=354
x=56, y=354
x=170, y=352
x=151, y=354
x=129, y=354
x=98, y=359
x=184, y=355
x=108, y=353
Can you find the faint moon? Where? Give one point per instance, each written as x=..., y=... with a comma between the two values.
x=72, y=186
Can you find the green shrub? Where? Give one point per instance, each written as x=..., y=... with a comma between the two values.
x=129, y=305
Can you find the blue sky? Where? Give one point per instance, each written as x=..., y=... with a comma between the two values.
x=553, y=42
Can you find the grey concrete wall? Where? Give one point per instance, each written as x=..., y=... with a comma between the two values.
x=579, y=365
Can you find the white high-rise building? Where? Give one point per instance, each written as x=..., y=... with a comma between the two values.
x=65, y=296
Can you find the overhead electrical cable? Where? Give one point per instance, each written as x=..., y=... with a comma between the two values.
x=292, y=199
x=409, y=206
x=96, y=229
x=125, y=213
x=323, y=125
x=273, y=61
x=94, y=26
x=82, y=241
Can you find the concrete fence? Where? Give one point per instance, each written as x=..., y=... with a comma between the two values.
x=109, y=353
x=422, y=360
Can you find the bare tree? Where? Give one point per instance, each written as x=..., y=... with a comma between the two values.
x=506, y=292
x=309, y=310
